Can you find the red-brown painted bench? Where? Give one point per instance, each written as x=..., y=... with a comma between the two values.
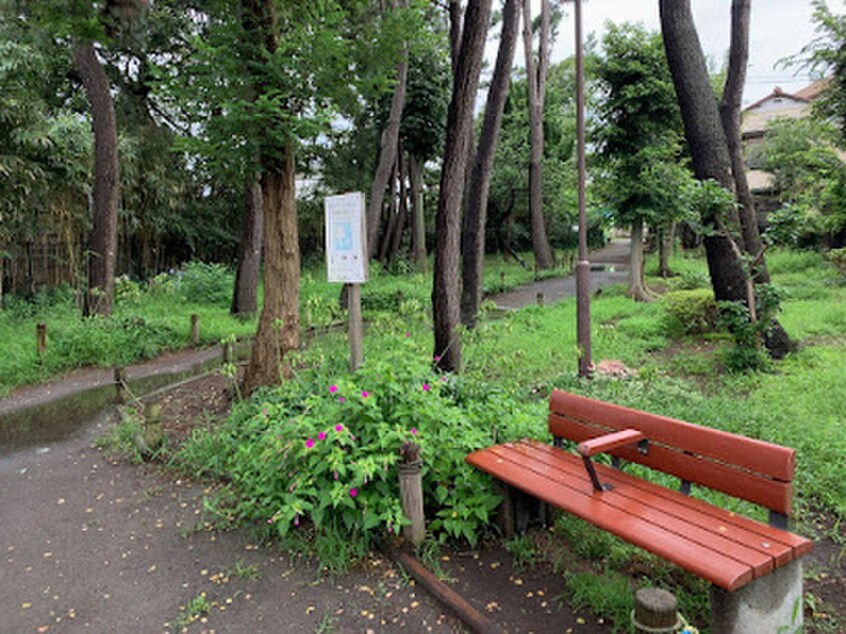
x=738, y=555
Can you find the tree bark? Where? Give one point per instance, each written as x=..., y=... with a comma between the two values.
x=245, y=292
x=637, y=289
x=387, y=155
x=475, y=215
x=418, y=222
x=536, y=83
x=705, y=138
x=279, y=325
x=445, y=292
x=103, y=240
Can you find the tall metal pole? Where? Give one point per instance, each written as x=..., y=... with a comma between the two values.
x=583, y=266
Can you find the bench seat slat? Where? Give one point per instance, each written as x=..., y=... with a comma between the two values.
x=772, y=494
x=704, y=529
x=703, y=561
x=783, y=546
x=755, y=455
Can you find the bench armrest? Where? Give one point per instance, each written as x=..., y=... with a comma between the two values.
x=608, y=442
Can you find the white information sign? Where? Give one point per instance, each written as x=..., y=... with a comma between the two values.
x=346, y=248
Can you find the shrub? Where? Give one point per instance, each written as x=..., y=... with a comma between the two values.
x=322, y=449
x=204, y=283
x=690, y=280
x=691, y=311
x=838, y=258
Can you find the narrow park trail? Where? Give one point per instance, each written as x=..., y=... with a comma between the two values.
x=94, y=544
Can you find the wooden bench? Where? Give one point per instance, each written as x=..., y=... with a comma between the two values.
x=754, y=567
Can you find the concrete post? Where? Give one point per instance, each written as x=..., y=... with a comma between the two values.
x=411, y=497
x=772, y=603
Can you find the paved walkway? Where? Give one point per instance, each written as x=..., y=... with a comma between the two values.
x=609, y=265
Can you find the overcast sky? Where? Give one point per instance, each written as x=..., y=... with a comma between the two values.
x=779, y=29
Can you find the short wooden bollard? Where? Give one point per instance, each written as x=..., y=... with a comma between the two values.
x=541, y=300
x=195, y=330
x=655, y=610
x=411, y=493
x=40, y=340
x=120, y=384
x=502, y=279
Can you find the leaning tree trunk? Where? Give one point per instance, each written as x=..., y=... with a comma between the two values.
x=475, y=216
x=536, y=83
x=706, y=140
x=445, y=293
x=103, y=241
x=387, y=155
x=279, y=325
x=245, y=292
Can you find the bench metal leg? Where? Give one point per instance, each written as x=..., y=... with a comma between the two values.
x=517, y=511
x=770, y=604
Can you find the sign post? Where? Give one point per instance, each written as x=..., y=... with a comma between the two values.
x=346, y=259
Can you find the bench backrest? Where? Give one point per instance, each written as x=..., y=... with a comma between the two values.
x=745, y=468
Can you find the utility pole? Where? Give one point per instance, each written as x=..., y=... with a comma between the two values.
x=582, y=266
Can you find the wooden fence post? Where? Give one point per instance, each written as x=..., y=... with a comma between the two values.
x=40, y=341
x=120, y=384
x=655, y=611
x=411, y=493
x=195, y=330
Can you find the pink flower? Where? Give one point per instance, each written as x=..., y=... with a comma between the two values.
x=309, y=443
x=353, y=492
x=321, y=435
x=444, y=379
x=413, y=431
x=436, y=358
x=297, y=519
x=270, y=520
x=341, y=399
x=408, y=334
x=339, y=427
x=425, y=387
x=333, y=389
x=364, y=394
x=335, y=473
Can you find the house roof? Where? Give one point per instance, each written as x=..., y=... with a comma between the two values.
x=777, y=93
x=755, y=123
x=812, y=91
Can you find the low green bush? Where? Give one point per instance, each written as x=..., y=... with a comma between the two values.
x=691, y=311
x=322, y=449
x=205, y=283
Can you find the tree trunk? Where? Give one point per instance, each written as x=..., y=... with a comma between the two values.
x=536, y=83
x=730, y=118
x=637, y=289
x=103, y=241
x=418, y=222
x=445, y=292
x=455, y=17
x=705, y=139
x=387, y=155
x=244, y=296
x=279, y=325
x=391, y=225
x=402, y=209
x=475, y=215
x=666, y=237
x=278, y=329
